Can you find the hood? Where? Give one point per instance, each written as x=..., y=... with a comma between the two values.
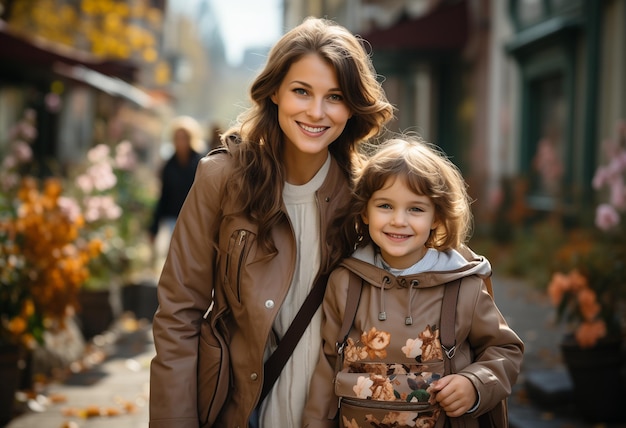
x=435, y=269
x=442, y=267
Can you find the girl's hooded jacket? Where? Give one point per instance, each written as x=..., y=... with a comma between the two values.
x=214, y=254
x=488, y=352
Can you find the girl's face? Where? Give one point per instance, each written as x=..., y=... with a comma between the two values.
x=312, y=112
x=399, y=222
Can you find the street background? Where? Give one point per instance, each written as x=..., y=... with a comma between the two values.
x=527, y=97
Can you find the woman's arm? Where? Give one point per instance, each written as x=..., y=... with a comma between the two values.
x=185, y=292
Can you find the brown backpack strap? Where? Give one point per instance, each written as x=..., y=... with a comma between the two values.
x=355, y=284
x=446, y=331
x=447, y=323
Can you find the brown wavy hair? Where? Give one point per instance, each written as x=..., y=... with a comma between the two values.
x=428, y=172
x=259, y=173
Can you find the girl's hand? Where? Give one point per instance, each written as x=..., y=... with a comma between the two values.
x=454, y=393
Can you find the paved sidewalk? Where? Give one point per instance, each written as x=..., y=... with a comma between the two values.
x=119, y=385
x=113, y=393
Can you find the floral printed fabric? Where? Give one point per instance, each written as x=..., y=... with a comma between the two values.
x=376, y=392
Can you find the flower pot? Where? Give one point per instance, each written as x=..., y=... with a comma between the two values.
x=95, y=314
x=598, y=377
x=140, y=299
x=10, y=375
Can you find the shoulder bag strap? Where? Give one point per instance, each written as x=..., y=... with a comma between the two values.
x=275, y=363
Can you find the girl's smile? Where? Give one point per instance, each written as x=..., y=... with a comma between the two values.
x=400, y=223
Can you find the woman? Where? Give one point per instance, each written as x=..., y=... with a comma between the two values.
x=177, y=175
x=257, y=229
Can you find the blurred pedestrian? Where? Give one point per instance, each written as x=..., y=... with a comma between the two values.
x=256, y=231
x=411, y=220
x=176, y=177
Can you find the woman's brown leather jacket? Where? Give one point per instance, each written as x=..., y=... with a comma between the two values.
x=213, y=247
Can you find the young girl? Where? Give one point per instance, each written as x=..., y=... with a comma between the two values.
x=255, y=232
x=412, y=216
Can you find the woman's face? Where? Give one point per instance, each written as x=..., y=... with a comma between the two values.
x=312, y=111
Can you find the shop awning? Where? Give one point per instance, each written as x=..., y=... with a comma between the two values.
x=445, y=28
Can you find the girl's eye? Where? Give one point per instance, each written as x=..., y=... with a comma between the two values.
x=384, y=206
x=416, y=209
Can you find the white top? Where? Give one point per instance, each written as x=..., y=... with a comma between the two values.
x=285, y=403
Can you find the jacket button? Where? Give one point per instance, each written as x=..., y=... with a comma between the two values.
x=269, y=304
x=254, y=376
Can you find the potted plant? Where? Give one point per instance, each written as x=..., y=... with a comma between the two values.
x=44, y=255
x=588, y=290
x=116, y=205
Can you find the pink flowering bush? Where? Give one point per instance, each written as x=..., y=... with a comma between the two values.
x=116, y=207
x=611, y=176
x=589, y=286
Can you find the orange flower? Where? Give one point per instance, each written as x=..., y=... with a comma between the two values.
x=577, y=281
x=588, y=333
x=588, y=304
x=17, y=325
x=558, y=286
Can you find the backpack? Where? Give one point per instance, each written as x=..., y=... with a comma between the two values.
x=413, y=409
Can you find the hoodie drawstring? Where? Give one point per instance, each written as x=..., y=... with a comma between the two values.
x=382, y=315
x=409, y=318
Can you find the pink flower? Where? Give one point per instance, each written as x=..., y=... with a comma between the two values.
x=84, y=183
x=70, y=207
x=22, y=151
x=547, y=163
x=606, y=217
x=98, y=154
x=600, y=178
x=53, y=102
x=8, y=181
x=9, y=162
x=618, y=193
x=101, y=208
x=102, y=176
x=125, y=156
x=27, y=130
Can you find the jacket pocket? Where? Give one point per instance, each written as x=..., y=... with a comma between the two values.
x=214, y=377
x=362, y=412
x=238, y=248
x=382, y=394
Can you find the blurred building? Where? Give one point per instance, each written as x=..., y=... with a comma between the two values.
x=512, y=90
x=85, y=88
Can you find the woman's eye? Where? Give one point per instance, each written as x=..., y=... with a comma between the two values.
x=300, y=91
x=336, y=97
